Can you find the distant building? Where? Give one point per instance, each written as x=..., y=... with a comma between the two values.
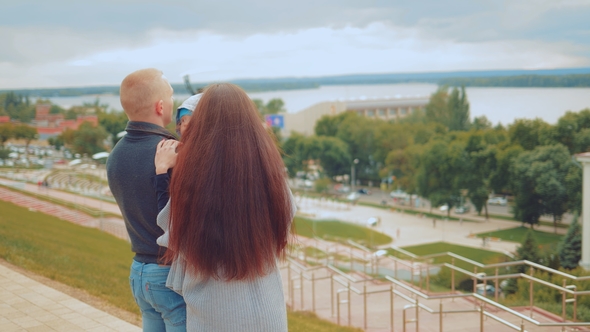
x=386, y=108
x=50, y=125
x=4, y=119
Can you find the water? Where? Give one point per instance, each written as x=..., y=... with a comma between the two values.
x=499, y=105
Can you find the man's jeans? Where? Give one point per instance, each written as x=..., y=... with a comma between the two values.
x=162, y=309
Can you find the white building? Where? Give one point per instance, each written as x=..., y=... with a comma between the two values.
x=387, y=109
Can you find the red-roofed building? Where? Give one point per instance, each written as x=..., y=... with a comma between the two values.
x=50, y=125
x=4, y=119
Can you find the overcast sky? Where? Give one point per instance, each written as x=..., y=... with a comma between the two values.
x=61, y=43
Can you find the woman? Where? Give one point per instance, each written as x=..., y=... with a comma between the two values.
x=228, y=218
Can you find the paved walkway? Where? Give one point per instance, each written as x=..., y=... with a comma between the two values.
x=27, y=305
x=409, y=229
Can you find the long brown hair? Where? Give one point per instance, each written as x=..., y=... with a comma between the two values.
x=230, y=202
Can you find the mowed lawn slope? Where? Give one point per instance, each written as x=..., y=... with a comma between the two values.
x=88, y=259
x=81, y=257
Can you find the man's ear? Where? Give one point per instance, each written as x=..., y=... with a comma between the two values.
x=160, y=107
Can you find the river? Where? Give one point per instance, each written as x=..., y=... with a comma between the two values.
x=499, y=105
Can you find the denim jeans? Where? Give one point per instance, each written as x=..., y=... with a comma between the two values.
x=162, y=309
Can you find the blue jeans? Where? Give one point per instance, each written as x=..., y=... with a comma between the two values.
x=162, y=309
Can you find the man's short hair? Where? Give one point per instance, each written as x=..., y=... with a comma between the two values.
x=140, y=91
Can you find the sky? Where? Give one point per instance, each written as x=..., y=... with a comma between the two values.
x=66, y=43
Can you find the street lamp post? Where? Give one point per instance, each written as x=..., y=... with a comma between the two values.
x=352, y=174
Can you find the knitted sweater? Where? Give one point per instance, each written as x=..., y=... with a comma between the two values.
x=215, y=305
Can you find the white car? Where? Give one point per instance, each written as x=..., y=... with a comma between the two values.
x=398, y=194
x=497, y=201
x=353, y=196
x=444, y=208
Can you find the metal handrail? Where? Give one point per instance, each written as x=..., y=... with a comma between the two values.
x=487, y=301
x=347, y=280
x=503, y=264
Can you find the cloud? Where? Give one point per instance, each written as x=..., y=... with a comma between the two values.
x=61, y=42
x=376, y=48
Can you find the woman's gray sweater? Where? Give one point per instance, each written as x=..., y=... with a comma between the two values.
x=217, y=305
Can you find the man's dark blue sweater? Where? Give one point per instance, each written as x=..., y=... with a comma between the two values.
x=130, y=171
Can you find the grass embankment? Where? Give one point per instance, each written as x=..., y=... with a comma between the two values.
x=88, y=259
x=443, y=280
x=541, y=222
x=309, y=322
x=334, y=230
x=517, y=234
x=80, y=257
x=478, y=255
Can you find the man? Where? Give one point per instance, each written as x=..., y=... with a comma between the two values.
x=146, y=97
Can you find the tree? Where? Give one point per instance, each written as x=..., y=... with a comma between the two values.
x=458, y=107
x=88, y=139
x=573, y=183
x=273, y=106
x=499, y=178
x=481, y=122
x=331, y=153
x=452, y=110
x=18, y=107
x=113, y=123
x=530, y=133
x=581, y=141
x=27, y=133
x=528, y=250
x=440, y=174
x=389, y=137
x=568, y=129
x=334, y=157
x=359, y=134
x=437, y=108
x=403, y=165
x=6, y=133
x=294, y=153
x=570, y=248
x=540, y=183
x=56, y=142
x=328, y=125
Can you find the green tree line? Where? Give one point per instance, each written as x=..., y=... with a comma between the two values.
x=441, y=154
x=566, y=81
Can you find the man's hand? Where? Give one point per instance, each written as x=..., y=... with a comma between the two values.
x=166, y=155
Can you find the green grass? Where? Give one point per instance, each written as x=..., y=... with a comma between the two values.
x=81, y=257
x=88, y=259
x=337, y=230
x=309, y=322
x=543, y=223
x=478, y=255
x=442, y=281
x=517, y=235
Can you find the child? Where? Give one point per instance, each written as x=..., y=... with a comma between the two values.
x=185, y=112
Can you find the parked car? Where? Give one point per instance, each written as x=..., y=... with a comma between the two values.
x=444, y=208
x=497, y=201
x=353, y=197
x=398, y=194
x=462, y=209
x=364, y=191
x=342, y=189
x=489, y=289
